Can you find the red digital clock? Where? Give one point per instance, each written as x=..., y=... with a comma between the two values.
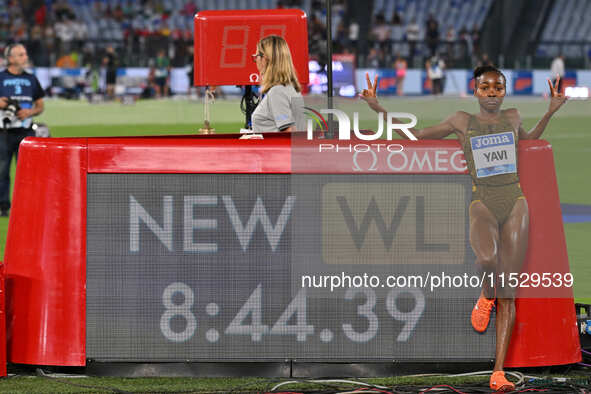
x=225, y=41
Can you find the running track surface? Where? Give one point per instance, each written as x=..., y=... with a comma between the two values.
x=572, y=213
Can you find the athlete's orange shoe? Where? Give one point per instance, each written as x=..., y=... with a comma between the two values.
x=481, y=313
x=499, y=382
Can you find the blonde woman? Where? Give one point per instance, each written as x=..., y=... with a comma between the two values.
x=282, y=105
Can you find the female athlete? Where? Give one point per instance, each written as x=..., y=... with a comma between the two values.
x=499, y=216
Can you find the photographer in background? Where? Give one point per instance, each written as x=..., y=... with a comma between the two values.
x=21, y=98
x=110, y=63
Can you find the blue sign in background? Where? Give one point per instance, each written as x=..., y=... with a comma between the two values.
x=523, y=82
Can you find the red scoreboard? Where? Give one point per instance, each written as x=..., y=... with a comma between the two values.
x=225, y=41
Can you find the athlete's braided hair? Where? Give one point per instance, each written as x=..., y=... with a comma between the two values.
x=480, y=70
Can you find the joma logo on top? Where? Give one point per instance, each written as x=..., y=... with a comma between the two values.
x=345, y=125
x=496, y=139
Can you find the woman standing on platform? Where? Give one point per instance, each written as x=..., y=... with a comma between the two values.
x=282, y=104
x=499, y=217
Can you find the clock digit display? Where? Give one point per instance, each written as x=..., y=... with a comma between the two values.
x=365, y=311
x=267, y=30
x=173, y=310
x=234, y=54
x=252, y=309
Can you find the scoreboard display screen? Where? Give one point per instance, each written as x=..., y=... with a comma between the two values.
x=225, y=41
x=232, y=266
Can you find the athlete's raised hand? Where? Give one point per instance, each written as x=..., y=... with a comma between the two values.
x=370, y=94
x=556, y=97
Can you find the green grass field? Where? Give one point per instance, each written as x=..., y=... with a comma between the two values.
x=569, y=133
x=406, y=384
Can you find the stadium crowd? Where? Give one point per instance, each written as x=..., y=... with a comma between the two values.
x=56, y=36
x=57, y=33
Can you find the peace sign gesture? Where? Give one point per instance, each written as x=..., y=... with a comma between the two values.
x=556, y=97
x=370, y=94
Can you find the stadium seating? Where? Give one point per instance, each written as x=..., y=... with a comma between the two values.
x=462, y=13
x=135, y=27
x=454, y=13
x=569, y=22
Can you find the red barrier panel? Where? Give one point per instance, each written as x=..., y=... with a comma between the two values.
x=46, y=246
x=45, y=254
x=535, y=341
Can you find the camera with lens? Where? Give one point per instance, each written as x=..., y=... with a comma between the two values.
x=41, y=130
x=10, y=111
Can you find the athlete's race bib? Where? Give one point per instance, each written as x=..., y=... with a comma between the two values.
x=494, y=154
